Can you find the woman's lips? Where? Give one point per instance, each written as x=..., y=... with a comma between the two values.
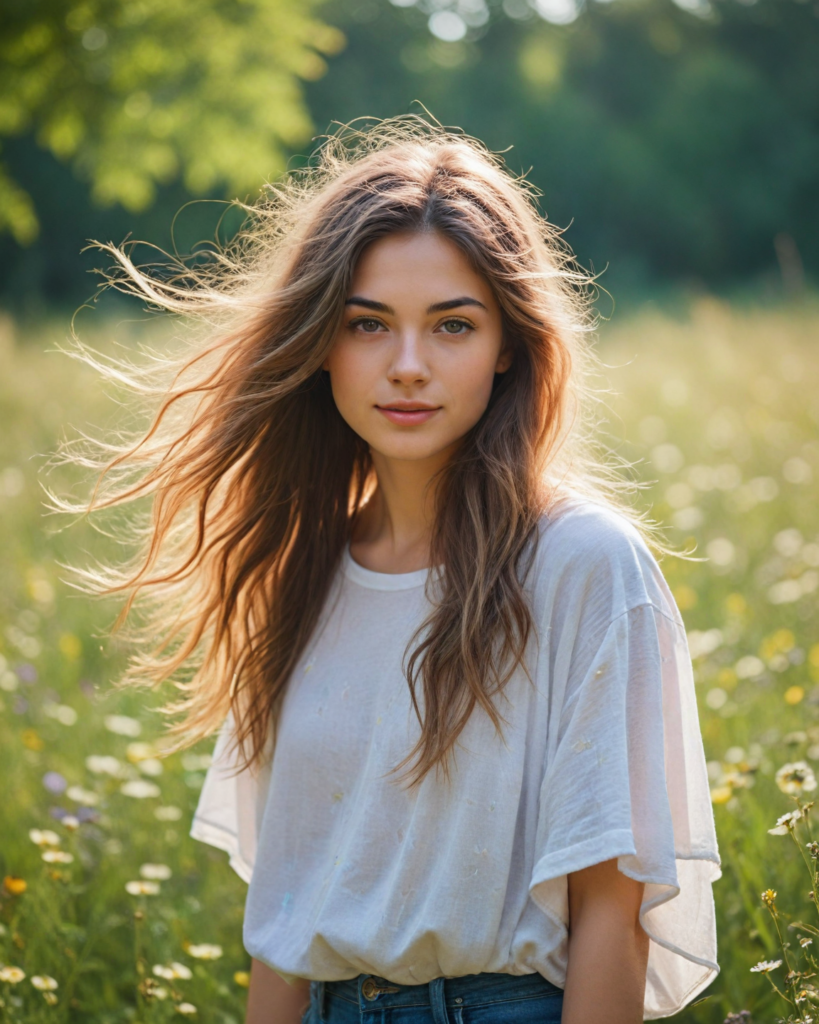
x=406, y=417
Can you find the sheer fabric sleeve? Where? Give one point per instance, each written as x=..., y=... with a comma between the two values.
x=625, y=778
x=229, y=813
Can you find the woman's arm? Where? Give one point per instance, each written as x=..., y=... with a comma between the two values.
x=270, y=1000
x=608, y=949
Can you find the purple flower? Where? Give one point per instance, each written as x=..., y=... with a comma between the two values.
x=58, y=812
x=26, y=673
x=86, y=814
x=54, y=782
x=20, y=706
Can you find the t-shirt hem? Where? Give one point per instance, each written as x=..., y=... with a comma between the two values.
x=617, y=843
x=222, y=839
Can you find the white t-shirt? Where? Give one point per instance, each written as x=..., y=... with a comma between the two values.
x=603, y=758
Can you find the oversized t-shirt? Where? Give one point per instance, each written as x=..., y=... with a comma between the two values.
x=601, y=757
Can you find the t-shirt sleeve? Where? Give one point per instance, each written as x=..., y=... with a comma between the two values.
x=625, y=778
x=231, y=804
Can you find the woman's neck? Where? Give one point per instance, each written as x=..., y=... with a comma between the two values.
x=394, y=530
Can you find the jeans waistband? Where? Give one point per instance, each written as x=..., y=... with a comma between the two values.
x=369, y=991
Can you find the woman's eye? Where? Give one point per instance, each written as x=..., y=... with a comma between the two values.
x=456, y=326
x=367, y=325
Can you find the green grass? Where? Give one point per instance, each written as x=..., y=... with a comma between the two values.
x=719, y=410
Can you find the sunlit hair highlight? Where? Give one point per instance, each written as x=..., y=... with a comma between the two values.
x=255, y=481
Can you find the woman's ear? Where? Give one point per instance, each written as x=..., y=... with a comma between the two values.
x=504, y=359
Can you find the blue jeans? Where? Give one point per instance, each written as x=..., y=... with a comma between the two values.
x=473, y=999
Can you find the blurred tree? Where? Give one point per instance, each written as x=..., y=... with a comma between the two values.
x=679, y=138
x=136, y=93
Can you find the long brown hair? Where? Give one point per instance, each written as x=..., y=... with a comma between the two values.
x=255, y=480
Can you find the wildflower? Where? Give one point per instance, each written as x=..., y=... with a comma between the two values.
x=796, y=778
x=152, y=989
x=204, y=951
x=186, y=1009
x=768, y=897
x=805, y=942
x=57, y=857
x=142, y=888
x=721, y=794
x=44, y=837
x=12, y=975
x=82, y=796
x=242, y=978
x=786, y=823
x=44, y=983
x=765, y=966
x=169, y=813
x=122, y=725
x=30, y=737
x=158, y=872
x=173, y=971
x=70, y=822
x=103, y=764
x=15, y=886
x=137, y=752
x=54, y=782
x=140, y=789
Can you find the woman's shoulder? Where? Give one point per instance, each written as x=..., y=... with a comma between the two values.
x=587, y=549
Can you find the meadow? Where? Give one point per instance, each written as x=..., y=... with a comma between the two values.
x=110, y=912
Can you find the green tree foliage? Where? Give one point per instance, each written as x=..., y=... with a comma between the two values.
x=137, y=93
x=680, y=140
x=679, y=143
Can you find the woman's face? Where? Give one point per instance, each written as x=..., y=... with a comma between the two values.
x=413, y=364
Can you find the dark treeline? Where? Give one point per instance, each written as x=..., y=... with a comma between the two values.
x=681, y=147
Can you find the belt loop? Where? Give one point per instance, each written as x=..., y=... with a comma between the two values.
x=437, y=999
x=317, y=994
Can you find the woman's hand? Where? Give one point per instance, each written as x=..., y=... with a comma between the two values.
x=608, y=949
x=270, y=1000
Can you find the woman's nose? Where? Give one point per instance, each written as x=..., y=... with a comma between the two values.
x=409, y=363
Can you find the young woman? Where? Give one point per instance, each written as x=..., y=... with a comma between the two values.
x=459, y=760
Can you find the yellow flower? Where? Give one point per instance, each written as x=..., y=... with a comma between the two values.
x=768, y=897
x=32, y=739
x=795, y=778
x=44, y=983
x=16, y=886
x=779, y=642
x=242, y=978
x=57, y=857
x=204, y=951
x=12, y=975
x=721, y=794
x=794, y=694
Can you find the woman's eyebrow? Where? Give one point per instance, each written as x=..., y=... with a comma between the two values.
x=359, y=300
x=436, y=307
x=463, y=300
